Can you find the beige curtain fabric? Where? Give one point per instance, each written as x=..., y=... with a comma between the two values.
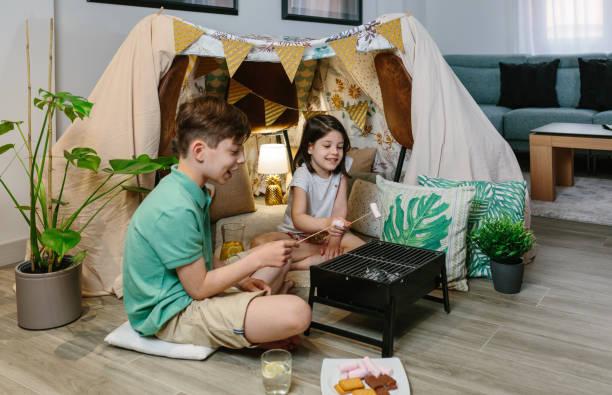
x=452, y=137
x=125, y=121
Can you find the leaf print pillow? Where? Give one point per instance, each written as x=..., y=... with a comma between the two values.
x=431, y=218
x=491, y=201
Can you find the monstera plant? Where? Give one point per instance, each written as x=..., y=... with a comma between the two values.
x=53, y=234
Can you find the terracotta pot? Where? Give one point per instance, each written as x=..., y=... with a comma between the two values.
x=47, y=300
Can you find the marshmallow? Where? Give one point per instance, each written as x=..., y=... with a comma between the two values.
x=375, y=211
x=348, y=366
x=361, y=373
x=372, y=369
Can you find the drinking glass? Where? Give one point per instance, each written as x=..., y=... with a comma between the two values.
x=276, y=371
x=233, y=235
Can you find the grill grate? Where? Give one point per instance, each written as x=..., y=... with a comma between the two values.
x=381, y=262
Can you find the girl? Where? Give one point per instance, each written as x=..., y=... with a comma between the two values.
x=318, y=196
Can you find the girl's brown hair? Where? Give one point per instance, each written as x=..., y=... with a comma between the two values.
x=317, y=127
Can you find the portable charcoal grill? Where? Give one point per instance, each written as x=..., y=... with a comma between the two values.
x=379, y=279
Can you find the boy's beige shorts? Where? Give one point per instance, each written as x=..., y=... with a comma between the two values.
x=212, y=322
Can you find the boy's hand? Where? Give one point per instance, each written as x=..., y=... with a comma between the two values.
x=333, y=247
x=251, y=284
x=274, y=254
x=338, y=226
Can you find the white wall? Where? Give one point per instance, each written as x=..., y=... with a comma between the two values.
x=13, y=106
x=473, y=26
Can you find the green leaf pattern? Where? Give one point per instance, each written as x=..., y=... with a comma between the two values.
x=423, y=224
x=431, y=218
x=492, y=201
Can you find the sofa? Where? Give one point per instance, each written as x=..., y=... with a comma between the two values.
x=481, y=77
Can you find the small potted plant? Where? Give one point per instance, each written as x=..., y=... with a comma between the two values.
x=505, y=241
x=48, y=288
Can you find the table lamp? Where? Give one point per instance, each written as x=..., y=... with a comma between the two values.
x=272, y=162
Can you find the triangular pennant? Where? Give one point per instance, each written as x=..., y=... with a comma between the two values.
x=290, y=57
x=184, y=35
x=358, y=113
x=310, y=114
x=345, y=49
x=303, y=81
x=273, y=111
x=236, y=91
x=392, y=31
x=235, y=52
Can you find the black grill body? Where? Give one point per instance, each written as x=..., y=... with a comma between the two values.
x=379, y=279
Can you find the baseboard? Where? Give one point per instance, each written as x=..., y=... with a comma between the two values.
x=12, y=252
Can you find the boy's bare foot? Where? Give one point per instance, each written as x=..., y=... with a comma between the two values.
x=287, y=285
x=289, y=344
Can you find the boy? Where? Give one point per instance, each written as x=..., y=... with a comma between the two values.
x=170, y=288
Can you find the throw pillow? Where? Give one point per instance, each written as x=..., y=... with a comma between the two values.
x=430, y=218
x=595, y=84
x=362, y=194
x=528, y=84
x=492, y=201
x=363, y=159
x=234, y=197
x=126, y=337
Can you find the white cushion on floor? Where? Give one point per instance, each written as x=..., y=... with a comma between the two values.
x=126, y=337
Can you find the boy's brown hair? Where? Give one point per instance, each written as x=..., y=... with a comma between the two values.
x=210, y=119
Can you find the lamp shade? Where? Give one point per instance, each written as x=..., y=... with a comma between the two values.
x=272, y=159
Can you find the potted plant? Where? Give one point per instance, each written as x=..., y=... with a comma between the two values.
x=505, y=241
x=48, y=289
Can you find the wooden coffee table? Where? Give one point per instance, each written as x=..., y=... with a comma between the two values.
x=551, y=154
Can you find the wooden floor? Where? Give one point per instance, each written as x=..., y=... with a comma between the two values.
x=555, y=337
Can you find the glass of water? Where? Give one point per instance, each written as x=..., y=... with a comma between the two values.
x=276, y=371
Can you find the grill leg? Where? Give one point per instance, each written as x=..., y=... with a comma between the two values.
x=445, y=289
x=388, y=330
x=311, y=303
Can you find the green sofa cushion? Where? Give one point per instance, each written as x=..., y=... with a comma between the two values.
x=520, y=122
x=495, y=115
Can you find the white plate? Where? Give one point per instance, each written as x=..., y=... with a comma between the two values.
x=330, y=374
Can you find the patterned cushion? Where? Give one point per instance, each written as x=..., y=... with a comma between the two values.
x=492, y=200
x=362, y=194
x=431, y=218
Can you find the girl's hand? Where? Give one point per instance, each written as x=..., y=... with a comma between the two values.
x=338, y=226
x=333, y=247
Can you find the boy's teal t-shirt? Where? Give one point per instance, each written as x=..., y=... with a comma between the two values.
x=171, y=228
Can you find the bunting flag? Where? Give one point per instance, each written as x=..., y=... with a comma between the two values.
x=392, y=31
x=273, y=111
x=290, y=57
x=235, y=53
x=184, y=35
x=236, y=91
x=358, y=113
x=303, y=81
x=345, y=49
x=310, y=114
